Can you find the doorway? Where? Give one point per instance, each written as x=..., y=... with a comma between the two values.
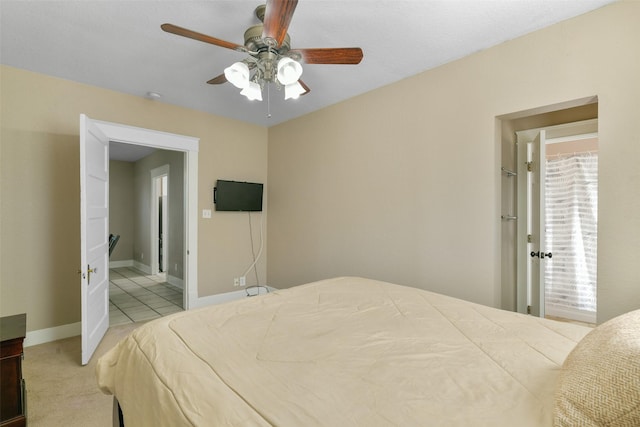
x=147, y=209
x=94, y=323
x=557, y=220
x=514, y=248
x=159, y=220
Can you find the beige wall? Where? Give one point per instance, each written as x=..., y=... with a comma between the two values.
x=39, y=189
x=403, y=183
x=121, y=198
x=400, y=184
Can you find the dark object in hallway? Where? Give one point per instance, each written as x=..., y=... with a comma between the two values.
x=113, y=241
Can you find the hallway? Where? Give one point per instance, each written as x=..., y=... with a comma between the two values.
x=136, y=297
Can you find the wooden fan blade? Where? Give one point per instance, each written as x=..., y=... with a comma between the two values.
x=305, y=87
x=174, y=29
x=218, y=80
x=277, y=18
x=339, y=55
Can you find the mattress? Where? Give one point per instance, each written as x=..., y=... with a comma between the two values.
x=340, y=352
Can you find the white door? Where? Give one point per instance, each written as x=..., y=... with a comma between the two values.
x=537, y=254
x=531, y=255
x=94, y=232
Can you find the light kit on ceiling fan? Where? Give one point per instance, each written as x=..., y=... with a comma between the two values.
x=293, y=91
x=271, y=59
x=252, y=91
x=287, y=72
x=238, y=74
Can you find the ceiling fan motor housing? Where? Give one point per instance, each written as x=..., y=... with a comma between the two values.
x=265, y=54
x=254, y=42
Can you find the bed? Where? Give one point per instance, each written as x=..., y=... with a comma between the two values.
x=347, y=352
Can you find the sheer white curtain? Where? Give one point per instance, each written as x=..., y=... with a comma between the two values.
x=571, y=215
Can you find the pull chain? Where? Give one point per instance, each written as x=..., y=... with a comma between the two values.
x=268, y=83
x=268, y=100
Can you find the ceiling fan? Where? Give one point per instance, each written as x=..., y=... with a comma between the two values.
x=270, y=57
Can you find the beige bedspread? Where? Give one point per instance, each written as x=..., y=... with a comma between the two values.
x=341, y=352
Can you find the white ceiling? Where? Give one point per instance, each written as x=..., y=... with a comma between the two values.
x=118, y=44
x=128, y=152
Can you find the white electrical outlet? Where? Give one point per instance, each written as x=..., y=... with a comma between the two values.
x=243, y=281
x=206, y=213
x=236, y=281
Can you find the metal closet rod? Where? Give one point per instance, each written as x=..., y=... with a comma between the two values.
x=508, y=172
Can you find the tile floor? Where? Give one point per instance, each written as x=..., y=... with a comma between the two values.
x=135, y=296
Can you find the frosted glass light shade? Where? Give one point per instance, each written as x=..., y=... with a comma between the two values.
x=293, y=91
x=237, y=74
x=289, y=71
x=252, y=92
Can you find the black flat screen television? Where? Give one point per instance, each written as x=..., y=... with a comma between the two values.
x=237, y=196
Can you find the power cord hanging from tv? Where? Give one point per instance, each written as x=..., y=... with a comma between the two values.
x=257, y=286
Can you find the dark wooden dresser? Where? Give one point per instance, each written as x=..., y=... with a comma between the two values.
x=13, y=401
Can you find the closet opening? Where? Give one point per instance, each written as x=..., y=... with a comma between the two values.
x=549, y=212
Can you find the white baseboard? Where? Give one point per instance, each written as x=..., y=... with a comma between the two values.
x=142, y=267
x=42, y=336
x=121, y=263
x=226, y=297
x=175, y=281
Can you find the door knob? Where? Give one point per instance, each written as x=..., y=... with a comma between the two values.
x=541, y=254
x=89, y=271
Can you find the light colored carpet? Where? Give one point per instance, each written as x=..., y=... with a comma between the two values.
x=62, y=392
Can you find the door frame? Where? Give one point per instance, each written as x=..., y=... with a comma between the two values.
x=189, y=145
